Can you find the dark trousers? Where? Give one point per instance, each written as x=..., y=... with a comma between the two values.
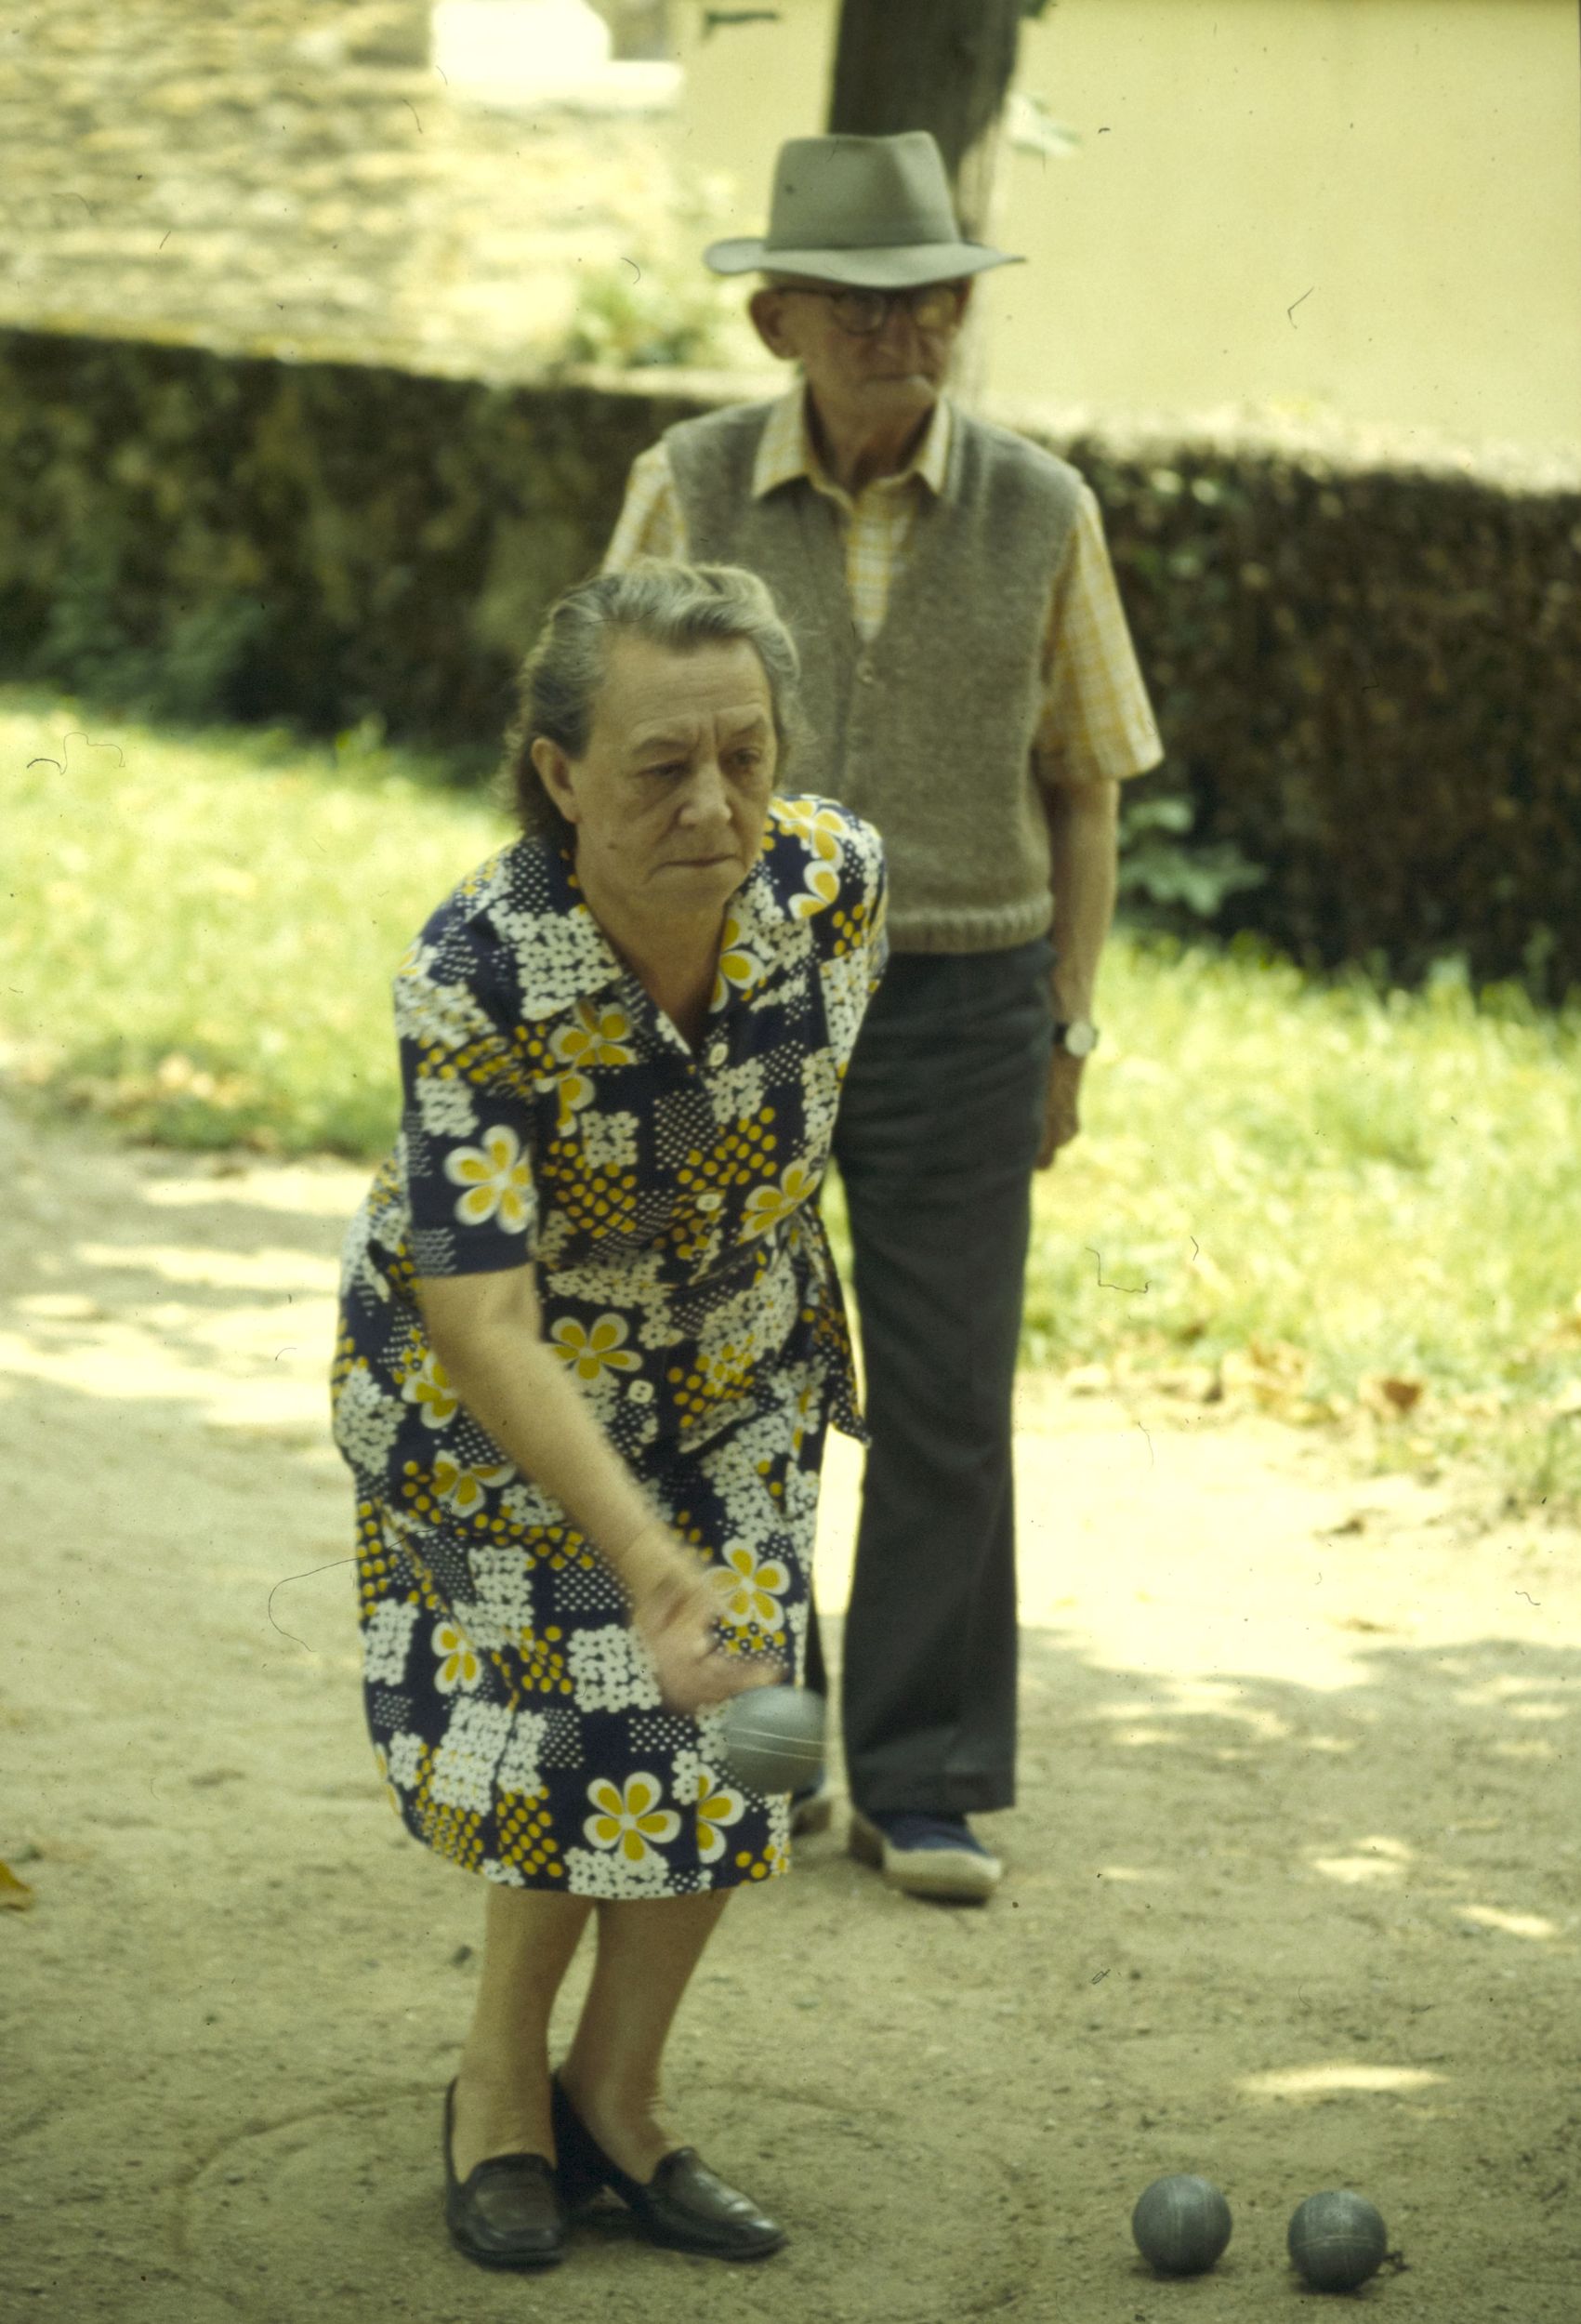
x=937, y=1135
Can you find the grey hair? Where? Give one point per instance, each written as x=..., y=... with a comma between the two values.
x=677, y=606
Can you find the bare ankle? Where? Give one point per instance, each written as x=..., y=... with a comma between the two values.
x=496, y=2112
x=627, y=2123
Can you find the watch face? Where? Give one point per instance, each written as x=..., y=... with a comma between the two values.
x=1081, y=1038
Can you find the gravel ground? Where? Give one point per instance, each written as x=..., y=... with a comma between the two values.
x=1293, y=1898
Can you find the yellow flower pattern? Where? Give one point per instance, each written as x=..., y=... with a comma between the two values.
x=822, y=890
x=750, y=1590
x=630, y=1819
x=595, y=1036
x=459, y=1667
x=466, y=1488
x=718, y=1808
x=589, y=1355
x=770, y=1206
x=739, y=968
x=662, y=1191
x=572, y=1090
x=497, y=1177
x=428, y=1387
x=819, y=825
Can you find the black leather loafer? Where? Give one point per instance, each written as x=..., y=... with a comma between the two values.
x=507, y=2212
x=684, y=2206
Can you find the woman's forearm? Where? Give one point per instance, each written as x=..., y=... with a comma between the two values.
x=517, y=1388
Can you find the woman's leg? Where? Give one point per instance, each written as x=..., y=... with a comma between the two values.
x=502, y=2090
x=647, y=1952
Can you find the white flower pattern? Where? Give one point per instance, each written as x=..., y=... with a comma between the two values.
x=464, y=1765
x=548, y=1118
x=387, y=1639
x=610, y=1672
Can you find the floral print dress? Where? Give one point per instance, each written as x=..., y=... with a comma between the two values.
x=666, y=1200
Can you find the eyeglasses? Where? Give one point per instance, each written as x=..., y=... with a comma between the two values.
x=932, y=307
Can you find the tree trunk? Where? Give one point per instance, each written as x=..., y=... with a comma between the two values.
x=944, y=65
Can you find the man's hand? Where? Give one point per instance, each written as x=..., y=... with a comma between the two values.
x=1061, y=1118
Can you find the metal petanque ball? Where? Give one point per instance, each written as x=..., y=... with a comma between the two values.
x=1181, y=2225
x=1336, y=2241
x=773, y=1737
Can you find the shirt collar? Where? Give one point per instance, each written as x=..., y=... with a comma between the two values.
x=785, y=449
x=563, y=956
x=572, y=962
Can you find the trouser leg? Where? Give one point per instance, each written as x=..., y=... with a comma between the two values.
x=936, y=1139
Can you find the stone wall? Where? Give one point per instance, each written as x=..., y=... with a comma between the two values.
x=295, y=176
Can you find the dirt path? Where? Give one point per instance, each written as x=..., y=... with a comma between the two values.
x=1294, y=1899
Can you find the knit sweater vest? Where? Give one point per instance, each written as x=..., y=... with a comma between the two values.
x=927, y=732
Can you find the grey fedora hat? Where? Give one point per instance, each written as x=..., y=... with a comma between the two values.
x=871, y=212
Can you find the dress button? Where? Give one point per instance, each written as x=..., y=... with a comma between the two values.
x=709, y=1200
x=641, y=1392
x=718, y=1054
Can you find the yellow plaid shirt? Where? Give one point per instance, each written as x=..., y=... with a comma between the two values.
x=1097, y=722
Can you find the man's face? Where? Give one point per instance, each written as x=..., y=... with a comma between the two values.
x=886, y=378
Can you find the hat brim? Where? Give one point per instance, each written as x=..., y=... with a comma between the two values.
x=902, y=269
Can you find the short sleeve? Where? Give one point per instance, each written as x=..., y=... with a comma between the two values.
x=467, y=1117
x=650, y=523
x=870, y=877
x=855, y=932
x=836, y=882
x=1097, y=722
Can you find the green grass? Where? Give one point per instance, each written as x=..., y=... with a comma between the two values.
x=200, y=929
x=1343, y=1203
x=1340, y=1204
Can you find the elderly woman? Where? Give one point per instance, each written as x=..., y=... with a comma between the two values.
x=591, y=1339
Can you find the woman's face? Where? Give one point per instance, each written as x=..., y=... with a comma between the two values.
x=670, y=797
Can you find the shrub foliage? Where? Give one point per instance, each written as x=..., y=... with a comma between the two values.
x=1369, y=677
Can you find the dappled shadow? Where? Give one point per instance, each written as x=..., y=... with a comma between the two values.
x=1406, y=1802
x=127, y=1276
x=1292, y=1893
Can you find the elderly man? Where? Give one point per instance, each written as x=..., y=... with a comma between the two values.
x=971, y=689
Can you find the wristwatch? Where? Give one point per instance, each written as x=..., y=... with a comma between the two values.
x=1078, y=1039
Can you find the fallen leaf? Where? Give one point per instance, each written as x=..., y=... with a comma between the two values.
x=1385, y=1394
x=15, y=1894
x=1087, y=1379
x=1198, y=1382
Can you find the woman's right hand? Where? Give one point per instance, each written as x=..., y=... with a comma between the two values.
x=673, y=1609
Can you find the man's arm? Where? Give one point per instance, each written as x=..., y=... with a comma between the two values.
x=1096, y=730
x=651, y=524
x=1083, y=835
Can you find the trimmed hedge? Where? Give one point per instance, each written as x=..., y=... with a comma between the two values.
x=215, y=536
x=1369, y=682
x=1369, y=677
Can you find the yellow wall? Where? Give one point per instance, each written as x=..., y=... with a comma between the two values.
x=1415, y=166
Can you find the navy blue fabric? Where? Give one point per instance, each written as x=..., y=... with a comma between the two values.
x=937, y=1137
